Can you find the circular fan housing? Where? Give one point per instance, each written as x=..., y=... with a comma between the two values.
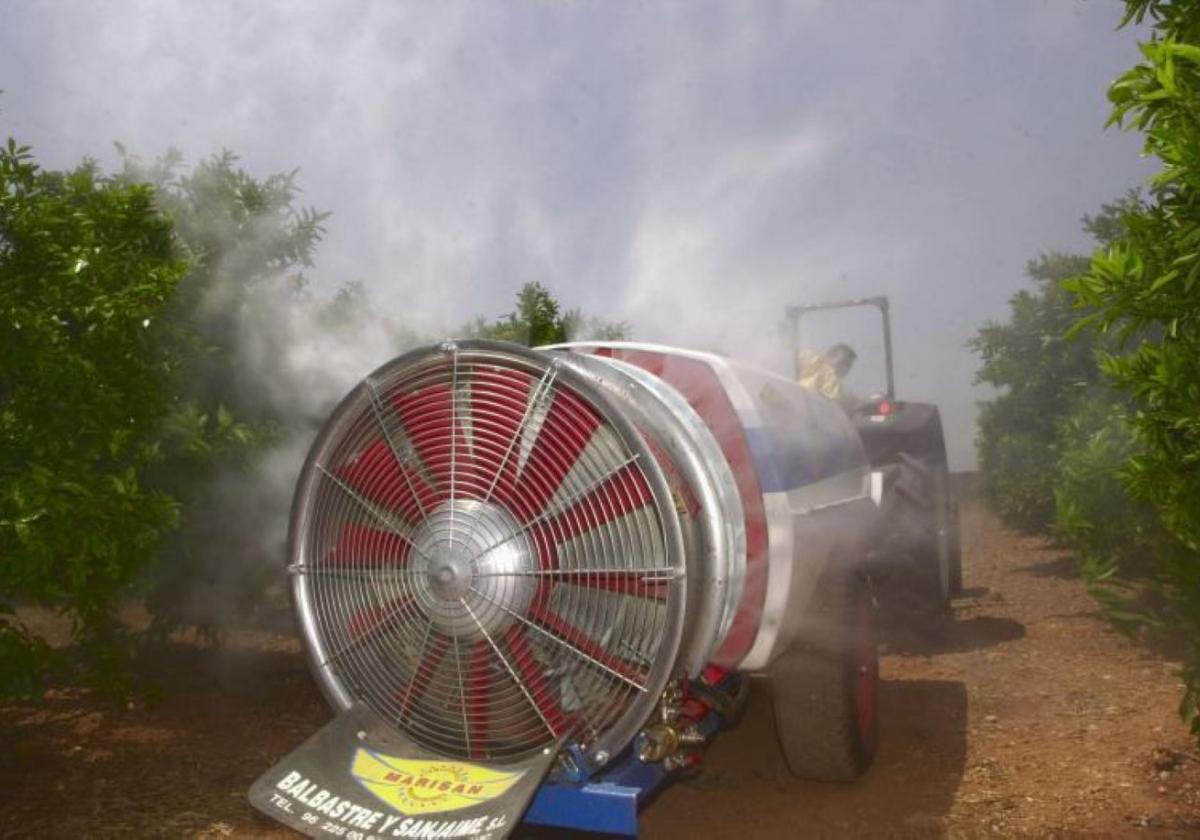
x=486, y=553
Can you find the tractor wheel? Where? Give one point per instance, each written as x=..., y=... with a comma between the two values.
x=918, y=517
x=947, y=548
x=824, y=690
x=919, y=544
x=955, y=538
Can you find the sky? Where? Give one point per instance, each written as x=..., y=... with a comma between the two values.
x=690, y=168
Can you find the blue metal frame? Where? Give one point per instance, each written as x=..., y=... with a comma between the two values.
x=609, y=801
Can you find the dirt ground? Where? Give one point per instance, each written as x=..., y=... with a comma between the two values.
x=1031, y=719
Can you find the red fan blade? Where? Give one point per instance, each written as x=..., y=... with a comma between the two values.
x=428, y=418
x=499, y=400
x=583, y=642
x=376, y=475
x=624, y=492
x=428, y=663
x=373, y=618
x=476, y=699
x=568, y=427
x=624, y=582
x=527, y=664
x=361, y=547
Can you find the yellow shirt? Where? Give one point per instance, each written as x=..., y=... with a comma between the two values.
x=814, y=372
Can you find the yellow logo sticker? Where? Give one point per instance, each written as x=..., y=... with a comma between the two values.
x=425, y=787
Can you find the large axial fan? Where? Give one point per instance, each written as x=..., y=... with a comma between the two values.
x=486, y=553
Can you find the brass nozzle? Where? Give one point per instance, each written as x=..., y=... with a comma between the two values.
x=659, y=740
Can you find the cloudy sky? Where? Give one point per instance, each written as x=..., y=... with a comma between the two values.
x=691, y=168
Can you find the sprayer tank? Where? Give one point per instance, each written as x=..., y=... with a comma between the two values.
x=776, y=487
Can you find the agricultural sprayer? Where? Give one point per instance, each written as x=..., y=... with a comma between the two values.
x=534, y=583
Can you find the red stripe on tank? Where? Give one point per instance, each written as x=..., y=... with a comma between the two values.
x=701, y=387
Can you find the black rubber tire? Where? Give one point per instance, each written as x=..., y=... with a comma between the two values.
x=913, y=515
x=825, y=691
x=947, y=547
x=955, y=535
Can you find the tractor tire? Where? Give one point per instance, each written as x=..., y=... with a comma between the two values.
x=955, y=542
x=919, y=545
x=917, y=517
x=947, y=547
x=825, y=690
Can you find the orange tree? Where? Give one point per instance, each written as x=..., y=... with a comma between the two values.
x=1144, y=289
x=1049, y=385
x=539, y=319
x=88, y=363
x=1042, y=377
x=247, y=245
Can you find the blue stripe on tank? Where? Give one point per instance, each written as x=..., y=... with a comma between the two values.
x=782, y=468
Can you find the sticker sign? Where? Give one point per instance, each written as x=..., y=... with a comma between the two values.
x=359, y=779
x=424, y=787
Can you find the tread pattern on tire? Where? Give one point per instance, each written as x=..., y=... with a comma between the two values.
x=911, y=541
x=814, y=693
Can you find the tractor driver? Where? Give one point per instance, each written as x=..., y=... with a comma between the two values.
x=825, y=372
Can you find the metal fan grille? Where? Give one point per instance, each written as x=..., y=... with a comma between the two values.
x=482, y=554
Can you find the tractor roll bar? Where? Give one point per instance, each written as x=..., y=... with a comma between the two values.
x=880, y=302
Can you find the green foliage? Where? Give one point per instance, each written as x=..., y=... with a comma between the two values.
x=89, y=363
x=122, y=393
x=539, y=319
x=1045, y=373
x=246, y=243
x=580, y=327
x=1144, y=290
x=1116, y=538
x=1120, y=540
x=1044, y=376
x=1143, y=577
x=345, y=316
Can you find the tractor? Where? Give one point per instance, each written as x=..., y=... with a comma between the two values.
x=918, y=552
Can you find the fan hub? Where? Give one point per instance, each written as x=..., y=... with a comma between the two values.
x=478, y=569
x=450, y=578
